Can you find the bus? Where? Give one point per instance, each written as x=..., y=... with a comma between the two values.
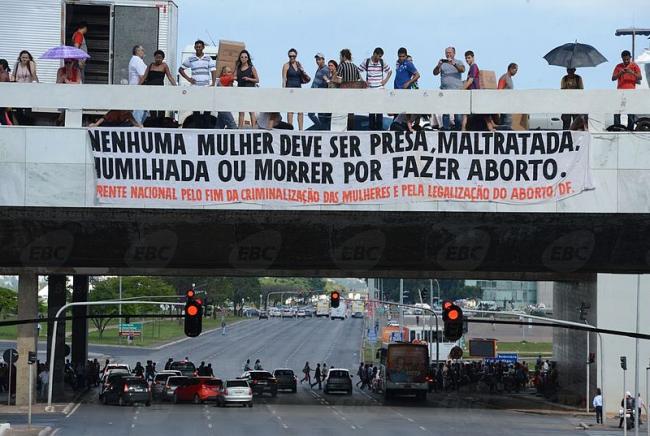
x=404, y=369
x=323, y=308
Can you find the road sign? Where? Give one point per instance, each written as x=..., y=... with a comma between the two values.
x=396, y=336
x=10, y=354
x=511, y=358
x=131, y=326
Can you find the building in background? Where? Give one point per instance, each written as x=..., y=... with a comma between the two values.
x=507, y=294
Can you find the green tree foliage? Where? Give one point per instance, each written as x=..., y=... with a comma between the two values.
x=108, y=289
x=8, y=302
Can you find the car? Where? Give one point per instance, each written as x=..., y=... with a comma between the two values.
x=287, y=313
x=261, y=382
x=275, y=312
x=109, y=379
x=301, y=313
x=186, y=368
x=198, y=390
x=309, y=311
x=338, y=379
x=115, y=366
x=286, y=379
x=235, y=392
x=127, y=390
x=263, y=314
x=173, y=382
x=159, y=382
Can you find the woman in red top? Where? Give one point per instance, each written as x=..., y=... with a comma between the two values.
x=69, y=73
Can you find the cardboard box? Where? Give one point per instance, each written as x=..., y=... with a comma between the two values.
x=228, y=54
x=519, y=121
x=487, y=79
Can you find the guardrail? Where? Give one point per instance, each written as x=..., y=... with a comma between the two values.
x=182, y=98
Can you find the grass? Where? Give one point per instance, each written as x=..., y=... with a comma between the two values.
x=155, y=333
x=524, y=347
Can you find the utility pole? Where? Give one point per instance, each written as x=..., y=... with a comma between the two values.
x=401, y=307
x=637, y=388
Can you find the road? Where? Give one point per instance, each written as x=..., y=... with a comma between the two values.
x=289, y=343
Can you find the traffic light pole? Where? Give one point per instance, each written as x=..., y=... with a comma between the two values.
x=49, y=407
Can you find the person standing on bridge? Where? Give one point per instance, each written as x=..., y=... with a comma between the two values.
x=204, y=73
x=626, y=75
x=306, y=371
x=317, y=378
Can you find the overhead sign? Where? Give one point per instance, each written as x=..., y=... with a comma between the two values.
x=193, y=168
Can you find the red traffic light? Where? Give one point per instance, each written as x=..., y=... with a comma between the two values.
x=453, y=315
x=192, y=310
x=335, y=298
x=190, y=293
x=335, y=295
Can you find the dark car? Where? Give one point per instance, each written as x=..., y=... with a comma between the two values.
x=109, y=380
x=127, y=390
x=186, y=368
x=263, y=314
x=338, y=379
x=286, y=379
x=261, y=382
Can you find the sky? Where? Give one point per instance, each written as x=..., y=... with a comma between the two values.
x=498, y=31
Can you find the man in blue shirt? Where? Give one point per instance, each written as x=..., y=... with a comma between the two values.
x=321, y=121
x=405, y=72
x=405, y=76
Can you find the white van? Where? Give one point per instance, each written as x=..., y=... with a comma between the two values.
x=339, y=312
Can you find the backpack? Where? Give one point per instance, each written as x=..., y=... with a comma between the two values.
x=381, y=61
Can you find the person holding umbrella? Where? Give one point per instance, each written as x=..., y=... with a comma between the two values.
x=570, y=81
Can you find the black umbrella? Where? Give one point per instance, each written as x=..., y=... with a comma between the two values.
x=574, y=55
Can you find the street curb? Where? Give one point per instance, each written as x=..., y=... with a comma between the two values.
x=46, y=431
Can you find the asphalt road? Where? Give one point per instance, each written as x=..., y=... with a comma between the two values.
x=289, y=343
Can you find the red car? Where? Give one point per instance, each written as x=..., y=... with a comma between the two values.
x=198, y=390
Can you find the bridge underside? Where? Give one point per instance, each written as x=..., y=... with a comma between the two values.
x=550, y=246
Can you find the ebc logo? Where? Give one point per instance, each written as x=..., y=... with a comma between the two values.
x=465, y=252
x=153, y=250
x=361, y=251
x=257, y=251
x=569, y=252
x=51, y=249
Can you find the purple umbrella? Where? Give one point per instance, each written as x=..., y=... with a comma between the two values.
x=65, y=52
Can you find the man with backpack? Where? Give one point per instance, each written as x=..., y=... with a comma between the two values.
x=377, y=75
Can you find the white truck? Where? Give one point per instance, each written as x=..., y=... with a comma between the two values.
x=322, y=308
x=339, y=312
x=114, y=28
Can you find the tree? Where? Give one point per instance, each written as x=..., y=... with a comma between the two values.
x=8, y=302
x=108, y=289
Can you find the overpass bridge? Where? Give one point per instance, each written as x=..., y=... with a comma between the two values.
x=58, y=218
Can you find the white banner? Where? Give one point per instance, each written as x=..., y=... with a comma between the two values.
x=206, y=167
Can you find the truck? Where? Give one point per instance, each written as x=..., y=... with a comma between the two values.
x=404, y=369
x=114, y=28
x=339, y=312
x=322, y=308
x=358, y=309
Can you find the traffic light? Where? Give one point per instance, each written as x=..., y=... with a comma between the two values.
x=193, y=315
x=335, y=299
x=424, y=295
x=624, y=363
x=592, y=358
x=452, y=316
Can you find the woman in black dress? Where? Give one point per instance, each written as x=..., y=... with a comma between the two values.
x=155, y=75
x=246, y=78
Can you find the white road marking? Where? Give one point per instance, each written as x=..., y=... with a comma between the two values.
x=209, y=425
x=132, y=425
x=285, y=426
x=410, y=420
x=422, y=428
x=353, y=427
x=73, y=411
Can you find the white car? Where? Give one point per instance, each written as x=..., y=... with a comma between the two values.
x=301, y=314
x=236, y=392
x=112, y=366
x=287, y=313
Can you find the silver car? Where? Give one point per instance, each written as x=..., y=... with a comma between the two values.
x=160, y=381
x=235, y=392
x=170, y=387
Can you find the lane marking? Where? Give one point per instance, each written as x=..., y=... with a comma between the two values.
x=210, y=425
x=410, y=420
x=73, y=411
x=422, y=428
x=132, y=425
x=285, y=426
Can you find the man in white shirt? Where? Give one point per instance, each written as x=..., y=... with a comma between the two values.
x=204, y=73
x=137, y=69
x=377, y=75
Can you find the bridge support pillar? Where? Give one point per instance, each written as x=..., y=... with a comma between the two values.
x=570, y=346
x=79, y=326
x=56, y=298
x=27, y=335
